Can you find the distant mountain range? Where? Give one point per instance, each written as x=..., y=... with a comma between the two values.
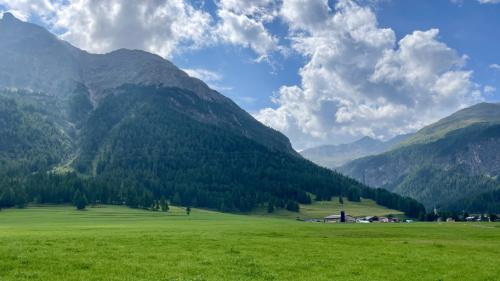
x=129, y=126
x=333, y=156
x=453, y=164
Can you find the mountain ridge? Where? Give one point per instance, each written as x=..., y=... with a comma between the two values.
x=334, y=156
x=97, y=74
x=456, y=158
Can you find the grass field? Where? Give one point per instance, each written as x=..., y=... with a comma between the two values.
x=116, y=243
x=322, y=209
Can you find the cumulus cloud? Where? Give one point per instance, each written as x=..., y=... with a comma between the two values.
x=164, y=27
x=159, y=26
x=243, y=23
x=23, y=9
x=359, y=80
x=304, y=14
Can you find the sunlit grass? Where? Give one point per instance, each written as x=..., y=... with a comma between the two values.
x=117, y=243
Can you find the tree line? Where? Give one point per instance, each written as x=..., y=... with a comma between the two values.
x=51, y=188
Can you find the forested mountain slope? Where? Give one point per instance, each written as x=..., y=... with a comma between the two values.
x=455, y=159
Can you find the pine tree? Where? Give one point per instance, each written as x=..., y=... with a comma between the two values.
x=292, y=206
x=21, y=199
x=353, y=195
x=8, y=198
x=164, y=204
x=188, y=210
x=80, y=200
x=147, y=200
x=270, y=207
x=177, y=199
x=131, y=200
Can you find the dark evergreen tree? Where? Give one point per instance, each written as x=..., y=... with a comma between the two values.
x=353, y=195
x=270, y=207
x=131, y=199
x=188, y=210
x=164, y=204
x=21, y=199
x=80, y=200
x=176, y=200
x=292, y=206
x=147, y=200
x=8, y=198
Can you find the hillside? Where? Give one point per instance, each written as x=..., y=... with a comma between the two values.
x=482, y=112
x=333, y=156
x=29, y=141
x=129, y=127
x=455, y=159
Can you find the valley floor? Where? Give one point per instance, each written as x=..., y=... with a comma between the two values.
x=117, y=243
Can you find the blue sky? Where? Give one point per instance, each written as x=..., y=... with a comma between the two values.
x=359, y=77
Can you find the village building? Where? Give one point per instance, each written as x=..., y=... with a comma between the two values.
x=383, y=219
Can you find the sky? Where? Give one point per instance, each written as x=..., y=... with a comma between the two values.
x=320, y=71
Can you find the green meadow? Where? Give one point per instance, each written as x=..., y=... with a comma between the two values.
x=117, y=243
x=322, y=209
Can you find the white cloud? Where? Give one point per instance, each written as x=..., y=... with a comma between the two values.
x=159, y=26
x=164, y=27
x=495, y=66
x=304, y=14
x=360, y=81
x=23, y=9
x=243, y=23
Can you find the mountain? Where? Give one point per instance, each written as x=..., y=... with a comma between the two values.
x=456, y=159
x=34, y=59
x=333, y=156
x=129, y=127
